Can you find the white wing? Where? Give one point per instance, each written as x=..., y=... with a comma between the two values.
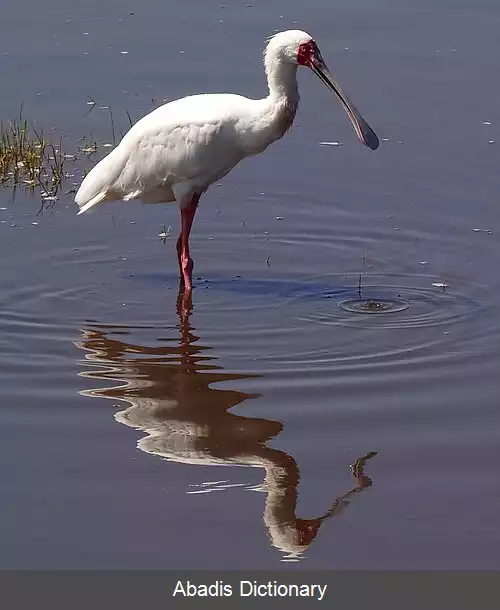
x=176, y=150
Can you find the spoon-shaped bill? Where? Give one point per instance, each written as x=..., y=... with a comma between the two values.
x=364, y=131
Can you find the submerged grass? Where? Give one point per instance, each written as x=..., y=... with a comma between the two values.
x=37, y=164
x=29, y=160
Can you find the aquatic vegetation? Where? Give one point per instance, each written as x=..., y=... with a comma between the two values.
x=29, y=160
x=38, y=164
x=89, y=145
x=165, y=233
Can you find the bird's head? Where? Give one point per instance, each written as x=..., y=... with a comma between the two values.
x=297, y=47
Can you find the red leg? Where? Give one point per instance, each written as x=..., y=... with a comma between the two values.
x=185, y=261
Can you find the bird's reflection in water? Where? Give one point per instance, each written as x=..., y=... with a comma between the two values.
x=174, y=400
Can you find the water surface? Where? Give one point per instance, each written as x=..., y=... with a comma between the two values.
x=137, y=431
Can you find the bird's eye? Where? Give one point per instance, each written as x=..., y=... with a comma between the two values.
x=304, y=53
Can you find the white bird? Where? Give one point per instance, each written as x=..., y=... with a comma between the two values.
x=177, y=151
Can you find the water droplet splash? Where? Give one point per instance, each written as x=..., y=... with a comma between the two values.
x=374, y=306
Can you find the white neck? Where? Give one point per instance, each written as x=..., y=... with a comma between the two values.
x=281, y=77
x=275, y=113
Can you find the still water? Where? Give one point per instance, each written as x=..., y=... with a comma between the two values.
x=262, y=425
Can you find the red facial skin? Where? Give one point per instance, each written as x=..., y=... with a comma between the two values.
x=307, y=51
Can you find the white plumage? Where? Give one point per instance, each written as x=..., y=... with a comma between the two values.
x=173, y=152
x=177, y=151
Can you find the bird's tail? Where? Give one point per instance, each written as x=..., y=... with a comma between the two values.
x=98, y=183
x=94, y=201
